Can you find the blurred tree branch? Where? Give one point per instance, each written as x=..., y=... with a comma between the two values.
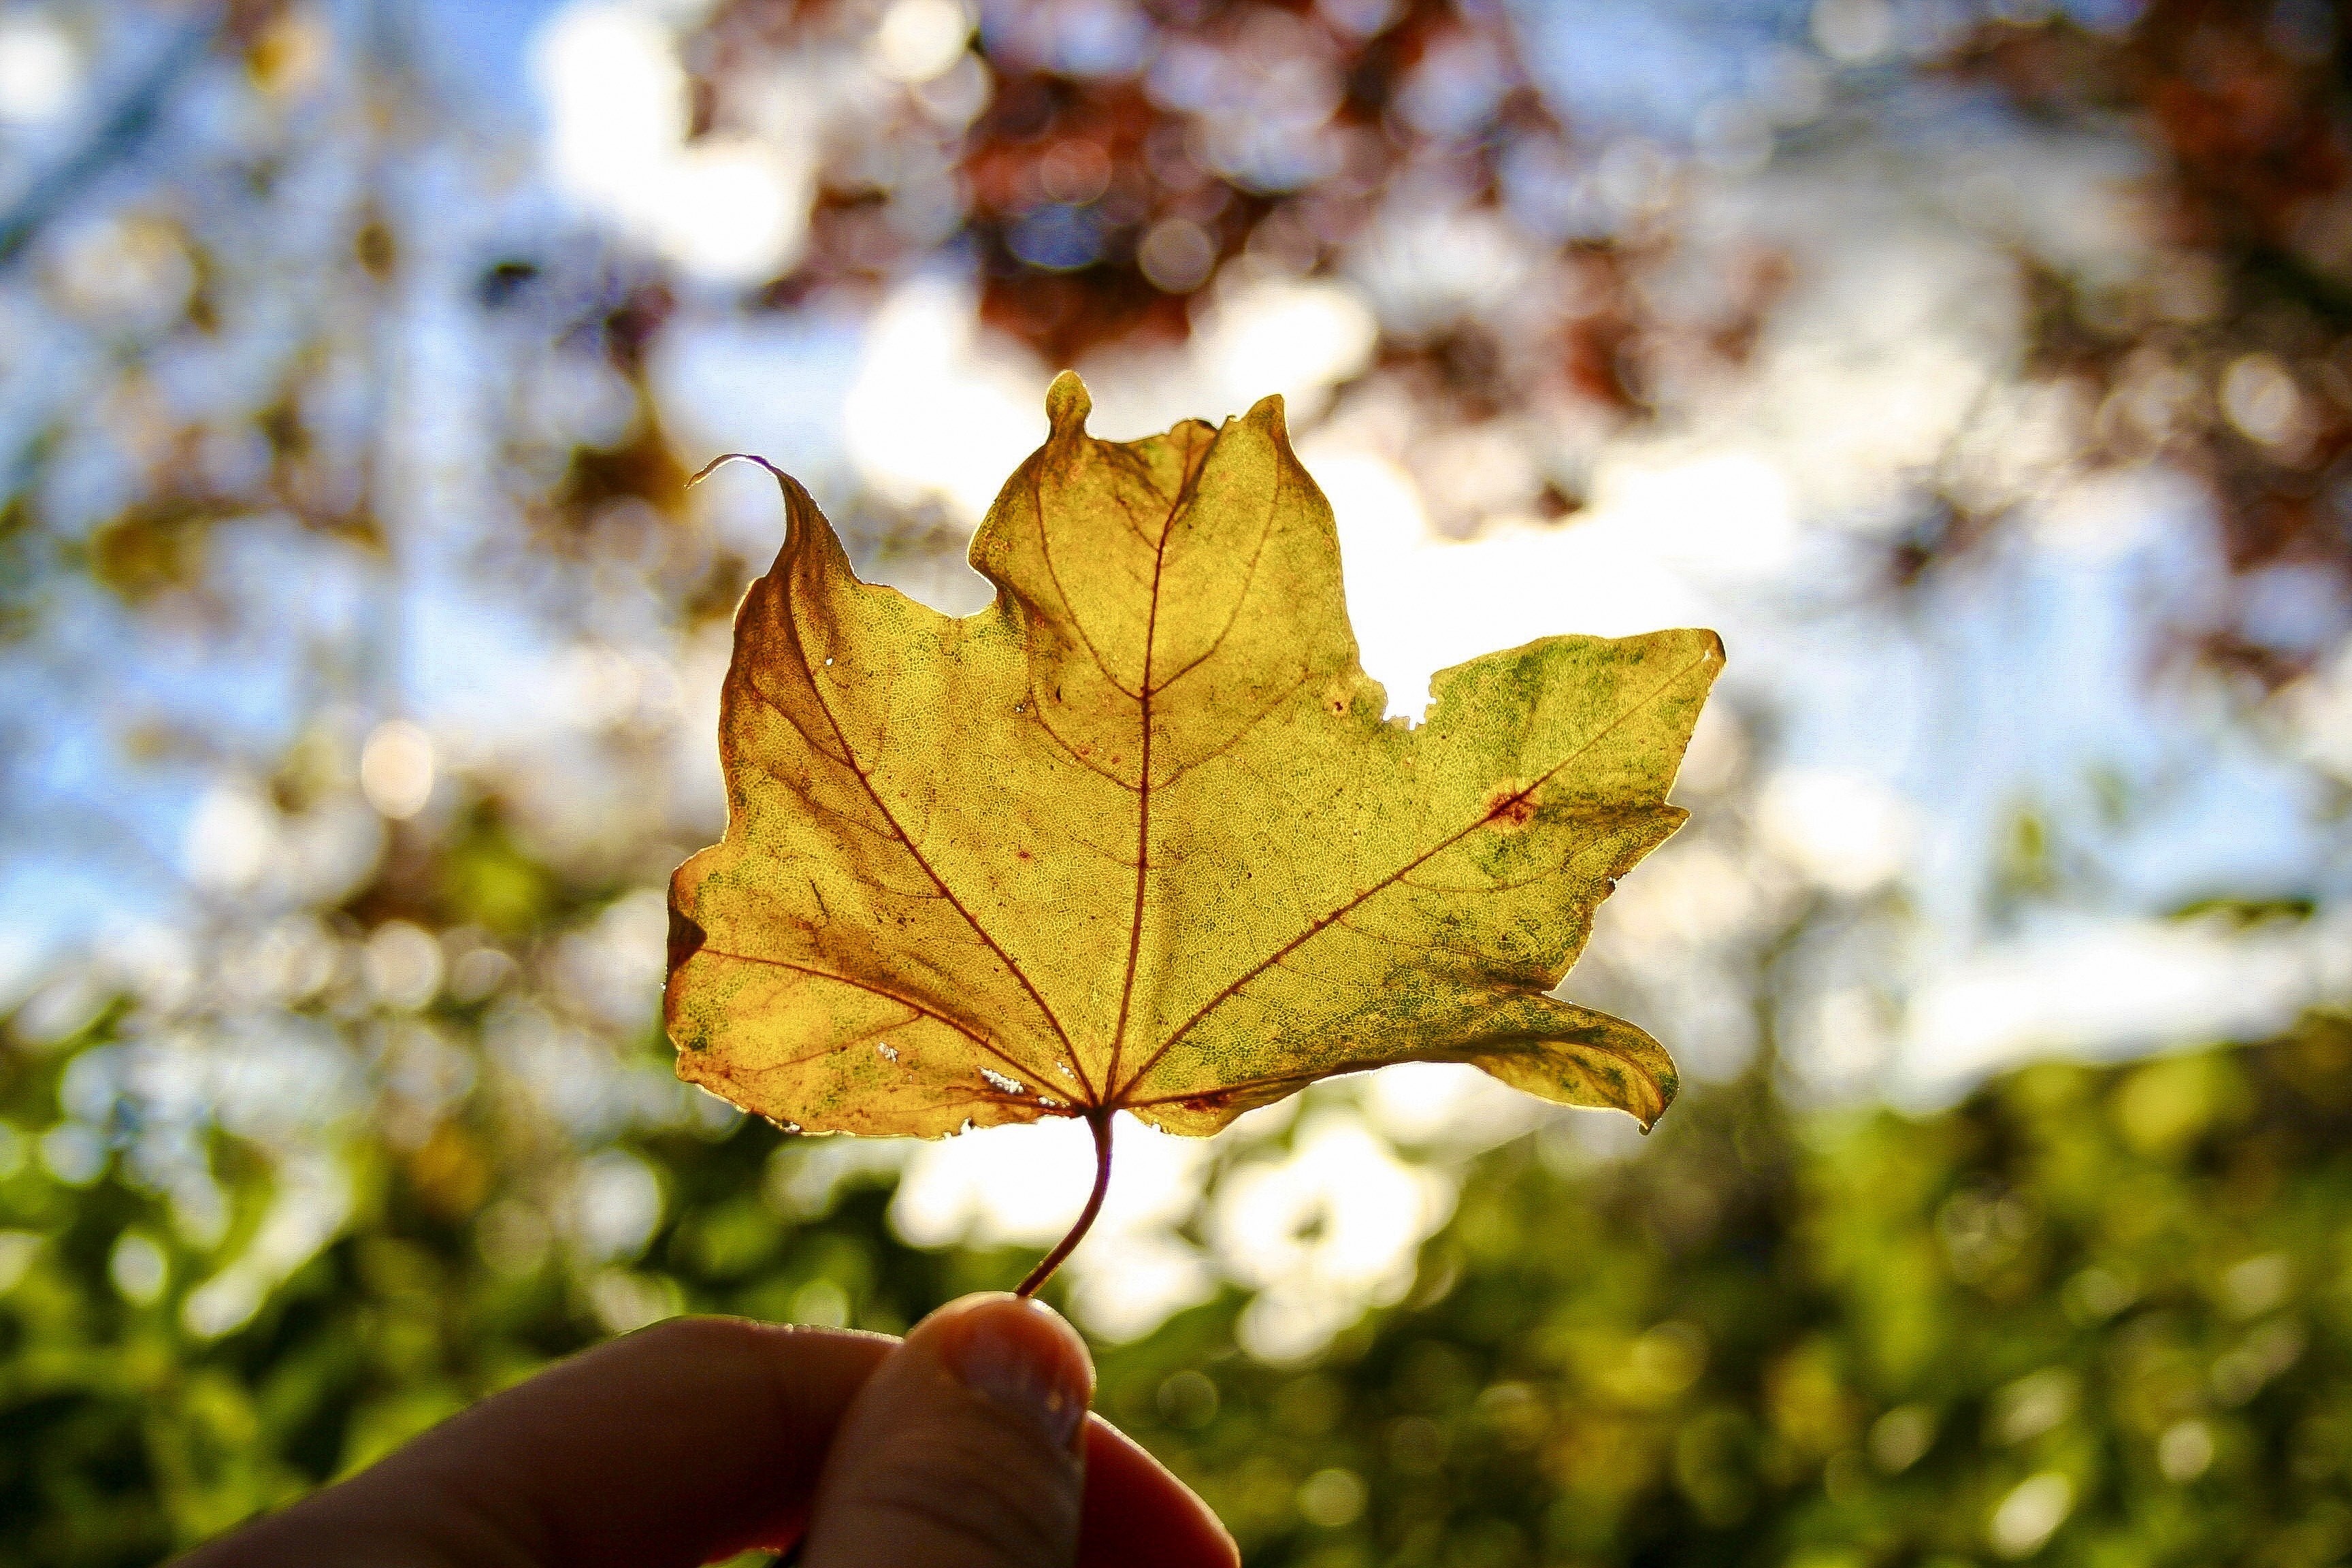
x=118, y=134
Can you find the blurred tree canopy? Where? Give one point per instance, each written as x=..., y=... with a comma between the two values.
x=314, y=399
x=2095, y=1314
x=2233, y=354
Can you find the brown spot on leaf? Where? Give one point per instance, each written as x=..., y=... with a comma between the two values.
x=1511, y=806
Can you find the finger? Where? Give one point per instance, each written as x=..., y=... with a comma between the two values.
x=693, y=1439
x=685, y=1441
x=1136, y=1515
x=965, y=1450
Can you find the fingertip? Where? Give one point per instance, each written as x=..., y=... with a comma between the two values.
x=962, y=1451
x=1134, y=1513
x=1017, y=1352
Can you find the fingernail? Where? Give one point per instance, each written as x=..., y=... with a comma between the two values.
x=1021, y=1355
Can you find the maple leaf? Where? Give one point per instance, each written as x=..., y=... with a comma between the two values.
x=1138, y=836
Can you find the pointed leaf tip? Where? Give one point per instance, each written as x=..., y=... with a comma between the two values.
x=724, y=458
x=1067, y=403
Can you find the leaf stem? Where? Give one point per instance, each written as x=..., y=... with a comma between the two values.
x=1099, y=1120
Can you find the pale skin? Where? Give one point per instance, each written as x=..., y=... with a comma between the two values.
x=967, y=1444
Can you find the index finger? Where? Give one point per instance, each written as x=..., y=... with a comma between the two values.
x=673, y=1444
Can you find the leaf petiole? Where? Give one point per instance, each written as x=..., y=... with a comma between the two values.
x=1099, y=1120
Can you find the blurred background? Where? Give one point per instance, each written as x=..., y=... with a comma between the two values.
x=1982, y=368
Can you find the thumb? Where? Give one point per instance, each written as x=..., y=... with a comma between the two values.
x=964, y=1448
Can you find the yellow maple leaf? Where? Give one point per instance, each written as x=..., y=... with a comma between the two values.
x=1138, y=835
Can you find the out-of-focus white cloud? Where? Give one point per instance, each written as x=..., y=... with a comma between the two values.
x=918, y=40
x=1660, y=527
x=228, y=838
x=1297, y=338
x=1133, y=1282
x=236, y=841
x=1844, y=829
x=612, y=969
x=1423, y=271
x=615, y=101
x=774, y=385
x=2318, y=712
x=2114, y=988
x=1724, y=515
x=941, y=410
x=1258, y=335
x=1690, y=893
x=614, y=1204
x=731, y=209
x=1024, y=1186
x=734, y=210
x=1321, y=1229
x=1448, y=1106
x=2104, y=519
x=999, y=1187
x=396, y=769
x=40, y=71
x=1322, y=1232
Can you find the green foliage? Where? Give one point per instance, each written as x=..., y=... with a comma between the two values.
x=2092, y=1316
x=2107, y=1306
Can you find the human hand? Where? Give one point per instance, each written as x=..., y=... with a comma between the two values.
x=968, y=1445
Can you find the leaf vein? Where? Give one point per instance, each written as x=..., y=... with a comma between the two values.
x=1325, y=922
x=923, y=1009
x=1012, y=968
